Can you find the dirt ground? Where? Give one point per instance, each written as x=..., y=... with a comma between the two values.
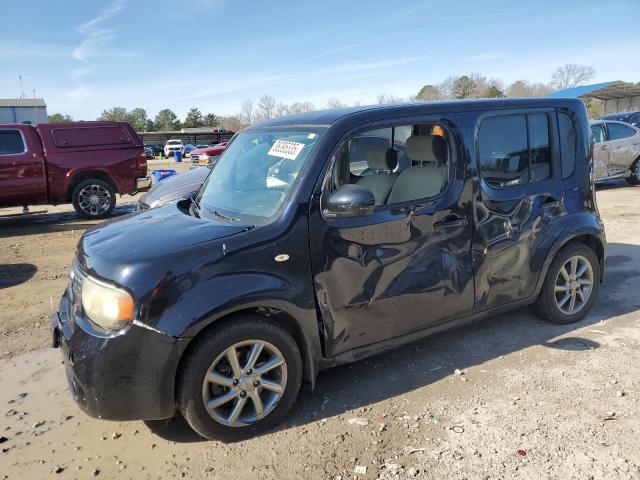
x=510, y=397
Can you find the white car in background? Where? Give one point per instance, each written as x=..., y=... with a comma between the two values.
x=616, y=152
x=173, y=146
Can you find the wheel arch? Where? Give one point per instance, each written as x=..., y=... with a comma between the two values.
x=79, y=177
x=278, y=317
x=593, y=238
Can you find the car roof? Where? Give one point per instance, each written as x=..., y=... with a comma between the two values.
x=619, y=114
x=370, y=112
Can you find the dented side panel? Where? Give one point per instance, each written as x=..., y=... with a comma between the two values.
x=396, y=271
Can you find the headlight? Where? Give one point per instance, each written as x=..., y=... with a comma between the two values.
x=108, y=307
x=204, y=156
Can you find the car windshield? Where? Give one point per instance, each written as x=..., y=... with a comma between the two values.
x=255, y=173
x=174, y=142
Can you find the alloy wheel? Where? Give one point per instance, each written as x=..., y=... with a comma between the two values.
x=244, y=383
x=574, y=285
x=94, y=200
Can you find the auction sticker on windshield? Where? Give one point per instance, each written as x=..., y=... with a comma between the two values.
x=286, y=149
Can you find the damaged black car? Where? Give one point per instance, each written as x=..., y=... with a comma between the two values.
x=321, y=239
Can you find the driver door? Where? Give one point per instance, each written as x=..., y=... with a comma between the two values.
x=407, y=266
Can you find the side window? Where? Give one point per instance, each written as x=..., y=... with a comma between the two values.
x=503, y=150
x=515, y=149
x=618, y=131
x=11, y=142
x=568, y=142
x=539, y=147
x=597, y=132
x=398, y=164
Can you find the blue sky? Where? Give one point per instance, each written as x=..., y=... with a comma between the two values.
x=85, y=56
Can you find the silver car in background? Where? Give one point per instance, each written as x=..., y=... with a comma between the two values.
x=616, y=152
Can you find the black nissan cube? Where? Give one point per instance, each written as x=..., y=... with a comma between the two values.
x=323, y=238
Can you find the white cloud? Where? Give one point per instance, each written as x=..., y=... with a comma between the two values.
x=105, y=14
x=80, y=93
x=359, y=66
x=96, y=36
x=331, y=52
x=11, y=49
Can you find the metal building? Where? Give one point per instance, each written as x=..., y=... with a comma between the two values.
x=617, y=96
x=22, y=110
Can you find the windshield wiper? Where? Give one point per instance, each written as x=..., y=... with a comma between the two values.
x=222, y=215
x=195, y=207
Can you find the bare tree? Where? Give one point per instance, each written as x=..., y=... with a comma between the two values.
x=334, y=102
x=464, y=87
x=386, y=99
x=571, y=75
x=300, y=107
x=247, y=111
x=235, y=123
x=446, y=87
x=266, y=107
x=520, y=88
x=357, y=103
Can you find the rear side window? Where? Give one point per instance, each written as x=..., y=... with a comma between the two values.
x=568, y=143
x=91, y=136
x=11, y=142
x=514, y=149
x=618, y=131
x=598, y=133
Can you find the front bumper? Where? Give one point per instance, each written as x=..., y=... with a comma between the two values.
x=126, y=376
x=143, y=184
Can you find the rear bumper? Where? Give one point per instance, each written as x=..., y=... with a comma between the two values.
x=143, y=184
x=128, y=376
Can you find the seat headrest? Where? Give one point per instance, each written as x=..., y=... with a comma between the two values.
x=426, y=148
x=382, y=158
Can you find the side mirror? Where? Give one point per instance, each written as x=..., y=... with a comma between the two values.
x=350, y=201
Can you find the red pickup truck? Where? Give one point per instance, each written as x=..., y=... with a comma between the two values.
x=85, y=163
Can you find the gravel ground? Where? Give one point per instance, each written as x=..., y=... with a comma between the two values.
x=509, y=397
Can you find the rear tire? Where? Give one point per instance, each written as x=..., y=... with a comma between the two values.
x=634, y=178
x=571, y=285
x=93, y=198
x=240, y=383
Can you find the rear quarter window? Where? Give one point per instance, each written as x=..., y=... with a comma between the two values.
x=91, y=136
x=568, y=143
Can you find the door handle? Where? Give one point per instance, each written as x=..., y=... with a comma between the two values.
x=451, y=221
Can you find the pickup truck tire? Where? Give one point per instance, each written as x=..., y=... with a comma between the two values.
x=634, y=178
x=93, y=198
x=571, y=285
x=240, y=379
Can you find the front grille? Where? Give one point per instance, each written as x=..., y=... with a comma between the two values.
x=195, y=157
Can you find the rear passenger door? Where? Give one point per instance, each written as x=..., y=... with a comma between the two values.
x=407, y=266
x=520, y=196
x=623, y=141
x=22, y=173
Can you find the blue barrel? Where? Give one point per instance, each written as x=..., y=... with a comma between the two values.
x=159, y=175
x=178, y=156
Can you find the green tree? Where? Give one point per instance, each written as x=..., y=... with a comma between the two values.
x=493, y=92
x=193, y=119
x=115, y=114
x=429, y=92
x=58, y=117
x=210, y=120
x=138, y=119
x=149, y=126
x=464, y=87
x=166, y=120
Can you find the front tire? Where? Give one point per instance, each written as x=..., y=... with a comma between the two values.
x=571, y=285
x=634, y=178
x=239, y=379
x=93, y=198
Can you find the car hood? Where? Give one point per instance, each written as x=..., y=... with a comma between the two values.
x=137, y=243
x=176, y=187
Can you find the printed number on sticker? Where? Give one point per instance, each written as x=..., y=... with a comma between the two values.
x=285, y=149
